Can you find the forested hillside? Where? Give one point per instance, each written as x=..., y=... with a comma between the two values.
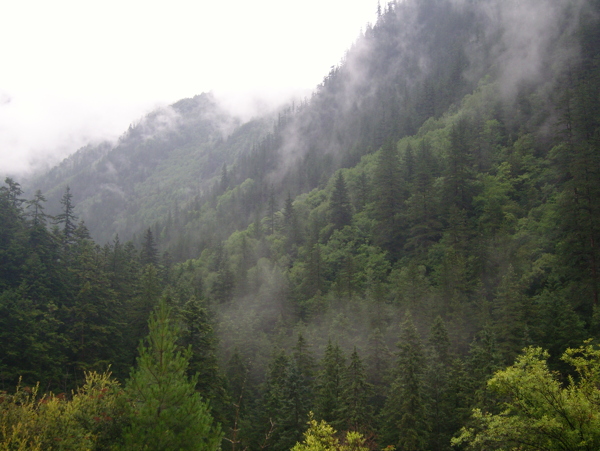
x=365, y=260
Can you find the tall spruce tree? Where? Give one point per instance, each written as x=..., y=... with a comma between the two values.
x=340, y=208
x=388, y=200
x=404, y=417
x=67, y=218
x=329, y=401
x=198, y=335
x=437, y=387
x=356, y=412
x=149, y=252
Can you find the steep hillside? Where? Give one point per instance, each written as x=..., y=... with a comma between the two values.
x=416, y=61
x=374, y=254
x=171, y=155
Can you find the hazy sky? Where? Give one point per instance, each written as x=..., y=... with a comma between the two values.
x=78, y=71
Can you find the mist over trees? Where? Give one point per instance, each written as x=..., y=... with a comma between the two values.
x=406, y=260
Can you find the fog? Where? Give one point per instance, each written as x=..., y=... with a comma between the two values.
x=75, y=73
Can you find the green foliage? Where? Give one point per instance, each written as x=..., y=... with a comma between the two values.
x=340, y=208
x=404, y=415
x=320, y=436
x=167, y=412
x=536, y=410
x=91, y=419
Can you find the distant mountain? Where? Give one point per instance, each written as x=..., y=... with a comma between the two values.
x=415, y=63
x=170, y=154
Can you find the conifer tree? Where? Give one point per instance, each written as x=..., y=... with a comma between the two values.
x=330, y=385
x=67, y=217
x=404, y=421
x=356, y=412
x=340, y=208
x=36, y=209
x=168, y=413
x=149, y=252
x=198, y=335
x=275, y=419
x=388, y=199
x=436, y=387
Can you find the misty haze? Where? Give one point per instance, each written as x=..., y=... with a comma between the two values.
x=405, y=256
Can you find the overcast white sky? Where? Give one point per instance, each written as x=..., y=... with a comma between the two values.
x=73, y=71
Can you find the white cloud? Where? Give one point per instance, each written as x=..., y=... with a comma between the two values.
x=75, y=70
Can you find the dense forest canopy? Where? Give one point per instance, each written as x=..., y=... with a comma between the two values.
x=409, y=259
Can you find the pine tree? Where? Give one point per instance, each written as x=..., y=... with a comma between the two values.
x=168, y=413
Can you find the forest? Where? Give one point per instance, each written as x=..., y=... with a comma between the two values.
x=406, y=260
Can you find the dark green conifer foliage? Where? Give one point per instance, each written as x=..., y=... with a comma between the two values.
x=423, y=205
x=404, y=416
x=356, y=412
x=223, y=284
x=379, y=361
x=35, y=209
x=95, y=316
x=167, y=411
x=329, y=401
x=67, y=218
x=483, y=360
x=558, y=327
x=340, y=208
x=274, y=418
x=459, y=172
x=437, y=388
x=388, y=199
x=13, y=193
x=306, y=366
x=271, y=210
x=198, y=335
x=511, y=317
x=149, y=252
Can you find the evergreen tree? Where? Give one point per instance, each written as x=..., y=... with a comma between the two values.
x=14, y=193
x=275, y=420
x=356, y=413
x=437, y=388
x=404, y=418
x=388, y=199
x=149, y=252
x=167, y=412
x=340, y=208
x=36, y=208
x=67, y=218
x=329, y=401
x=198, y=335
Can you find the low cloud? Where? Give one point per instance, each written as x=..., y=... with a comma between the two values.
x=38, y=131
